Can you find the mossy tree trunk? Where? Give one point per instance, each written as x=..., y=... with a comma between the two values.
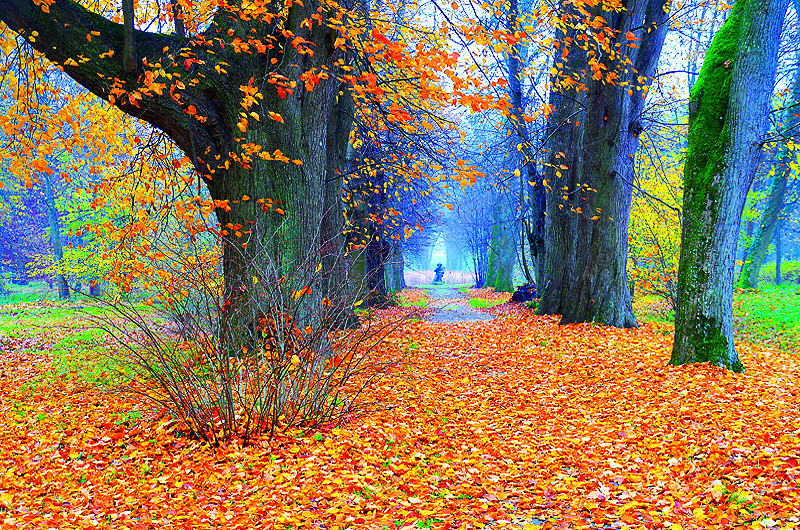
x=592, y=138
x=201, y=105
x=778, y=255
x=790, y=122
x=728, y=116
x=395, y=267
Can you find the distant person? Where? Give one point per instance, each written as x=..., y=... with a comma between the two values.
x=439, y=274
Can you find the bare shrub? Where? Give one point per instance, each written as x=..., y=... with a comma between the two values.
x=282, y=361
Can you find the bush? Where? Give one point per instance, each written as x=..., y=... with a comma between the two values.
x=282, y=362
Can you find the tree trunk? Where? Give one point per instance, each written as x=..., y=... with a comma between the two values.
x=778, y=255
x=535, y=235
x=728, y=112
x=749, y=232
x=592, y=139
x=395, y=266
x=502, y=247
x=479, y=252
x=751, y=266
x=55, y=236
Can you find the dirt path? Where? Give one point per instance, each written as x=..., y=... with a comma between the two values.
x=452, y=307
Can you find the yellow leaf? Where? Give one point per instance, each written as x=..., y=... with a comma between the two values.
x=6, y=498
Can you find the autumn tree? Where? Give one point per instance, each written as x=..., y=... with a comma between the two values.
x=606, y=57
x=728, y=113
x=260, y=98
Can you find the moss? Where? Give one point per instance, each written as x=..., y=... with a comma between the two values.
x=710, y=345
x=708, y=144
x=491, y=268
x=709, y=136
x=503, y=283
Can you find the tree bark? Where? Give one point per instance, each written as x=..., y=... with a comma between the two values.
x=55, y=236
x=749, y=232
x=503, y=246
x=592, y=138
x=778, y=255
x=128, y=36
x=751, y=266
x=728, y=112
x=395, y=279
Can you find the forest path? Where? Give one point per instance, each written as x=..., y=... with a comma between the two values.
x=451, y=307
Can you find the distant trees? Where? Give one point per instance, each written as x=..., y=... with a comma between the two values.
x=768, y=224
x=470, y=225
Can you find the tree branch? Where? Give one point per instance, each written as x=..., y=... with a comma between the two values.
x=90, y=49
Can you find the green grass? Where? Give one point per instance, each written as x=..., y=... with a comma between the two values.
x=481, y=303
x=33, y=292
x=790, y=271
x=771, y=314
x=768, y=314
x=78, y=350
x=404, y=302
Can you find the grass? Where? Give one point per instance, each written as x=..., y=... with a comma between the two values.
x=418, y=297
x=76, y=348
x=33, y=292
x=481, y=303
x=451, y=278
x=770, y=314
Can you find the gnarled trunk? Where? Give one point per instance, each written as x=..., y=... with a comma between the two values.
x=55, y=236
x=215, y=100
x=592, y=139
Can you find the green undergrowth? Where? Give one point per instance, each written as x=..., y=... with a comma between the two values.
x=405, y=300
x=33, y=292
x=769, y=314
x=67, y=338
x=481, y=303
x=790, y=271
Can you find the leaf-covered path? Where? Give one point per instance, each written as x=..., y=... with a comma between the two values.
x=493, y=424
x=451, y=307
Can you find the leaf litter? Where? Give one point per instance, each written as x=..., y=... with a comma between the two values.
x=510, y=423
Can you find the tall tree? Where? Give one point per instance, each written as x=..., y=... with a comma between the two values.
x=55, y=234
x=728, y=111
x=601, y=75
x=214, y=96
